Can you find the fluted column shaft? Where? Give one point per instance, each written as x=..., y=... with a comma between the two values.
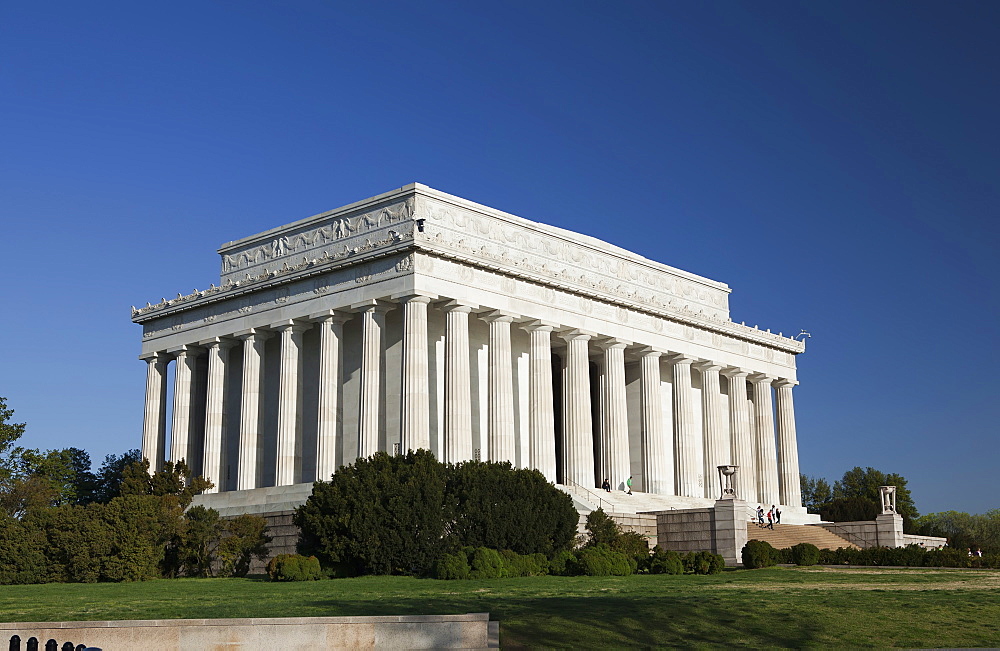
x=415, y=428
x=457, y=385
x=616, y=465
x=578, y=425
x=154, y=423
x=687, y=442
x=714, y=435
x=331, y=337
x=253, y=374
x=182, y=421
x=372, y=346
x=215, y=412
x=741, y=441
x=500, y=410
x=657, y=448
x=289, y=404
x=767, y=460
x=788, y=450
x=541, y=419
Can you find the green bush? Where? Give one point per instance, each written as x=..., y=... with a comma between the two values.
x=665, y=562
x=527, y=565
x=487, y=564
x=399, y=514
x=591, y=561
x=703, y=562
x=452, y=566
x=805, y=554
x=563, y=563
x=294, y=567
x=757, y=554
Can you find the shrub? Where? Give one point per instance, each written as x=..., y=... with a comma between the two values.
x=487, y=564
x=452, y=566
x=805, y=554
x=294, y=567
x=245, y=538
x=527, y=565
x=591, y=561
x=665, y=562
x=757, y=554
x=703, y=562
x=563, y=563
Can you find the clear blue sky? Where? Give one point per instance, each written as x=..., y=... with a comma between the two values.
x=836, y=163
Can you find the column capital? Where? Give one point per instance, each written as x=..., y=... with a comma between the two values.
x=650, y=351
x=608, y=343
x=452, y=305
x=534, y=325
x=185, y=349
x=733, y=372
x=761, y=378
x=290, y=324
x=330, y=316
x=414, y=297
x=678, y=359
x=222, y=343
x=498, y=316
x=158, y=357
x=785, y=382
x=708, y=366
x=258, y=334
x=372, y=305
x=574, y=334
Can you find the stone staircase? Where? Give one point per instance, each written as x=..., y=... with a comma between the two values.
x=787, y=535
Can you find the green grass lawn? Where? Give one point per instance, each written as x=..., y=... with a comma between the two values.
x=789, y=607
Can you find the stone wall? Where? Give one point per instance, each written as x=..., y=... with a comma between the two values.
x=470, y=631
x=642, y=523
x=863, y=533
x=686, y=530
x=927, y=542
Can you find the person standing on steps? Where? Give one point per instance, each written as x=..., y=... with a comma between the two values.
x=777, y=516
x=628, y=485
x=760, y=516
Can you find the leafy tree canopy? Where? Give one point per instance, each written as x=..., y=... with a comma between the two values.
x=856, y=496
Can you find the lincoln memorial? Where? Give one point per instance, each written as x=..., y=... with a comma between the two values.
x=417, y=319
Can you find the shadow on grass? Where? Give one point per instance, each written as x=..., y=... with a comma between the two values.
x=611, y=619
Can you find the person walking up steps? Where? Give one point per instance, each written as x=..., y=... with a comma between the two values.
x=628, y=485
x=760, y=516
x=770, y=519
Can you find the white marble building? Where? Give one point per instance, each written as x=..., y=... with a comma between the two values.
x=416, y=319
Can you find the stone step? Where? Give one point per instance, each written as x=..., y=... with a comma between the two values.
x=788, y=535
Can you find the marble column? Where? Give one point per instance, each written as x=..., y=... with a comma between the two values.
x=767, y=459
x=215, y=412
x=331, y=364
x=154, y=423
x=788, y=450
x=289, y=403
x=182, y=424
x=687, y=441
x=741, y=440
x=500, y=408
x=578, y=426
x=415, y=428
x=541, y=419
x=372, y=348
x=457, y=384
x=250, y=411
x=657, y=447
x=713, y=428
x=615, y=464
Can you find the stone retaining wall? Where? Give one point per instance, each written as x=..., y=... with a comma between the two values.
x=469, y=631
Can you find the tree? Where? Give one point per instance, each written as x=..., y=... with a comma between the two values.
x=173, y=480
x=111, y=474
x=381, y=515
x=245, y=539
x=816, y=492
x=964, y=531
x=500, y=507
x=9, y=434
x=864, y=483
x=603, y=529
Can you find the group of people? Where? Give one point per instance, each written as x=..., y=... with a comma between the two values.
x=773, y=517
x=975, y=552
x=628, y=485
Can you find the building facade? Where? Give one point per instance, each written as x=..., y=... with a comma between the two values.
x=417, y=319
